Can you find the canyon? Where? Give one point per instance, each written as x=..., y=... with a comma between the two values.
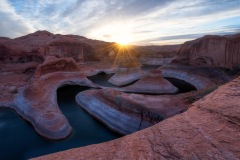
x=159, y=116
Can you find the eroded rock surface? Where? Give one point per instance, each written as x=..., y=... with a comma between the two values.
x=200, y=78
x=37, y=103
x=37, y=45
x=52, y=64
x=208, y=130
x=36, y=99
x=125, y=76
x=128, y=113
x=152, y=83
x=218, y=51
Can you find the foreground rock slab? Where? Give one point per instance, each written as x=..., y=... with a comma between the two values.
x=208, y=130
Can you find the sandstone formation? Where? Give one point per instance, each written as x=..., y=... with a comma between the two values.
x=77, y=50
x=216, y=51
x=43, y=43
x=36, y=101
x=44, y=114
x=125, y=76
x=91, y=69
x=52, y=64
x=151, y=83
x=207, y=130
x=128, y=113
x=34, y=66
x=200, y=78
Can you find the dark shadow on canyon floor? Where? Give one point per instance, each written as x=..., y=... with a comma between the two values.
x=102, y=79
x=182, y=85
x=149, y=67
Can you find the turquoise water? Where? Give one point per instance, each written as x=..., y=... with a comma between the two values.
x=18, y=140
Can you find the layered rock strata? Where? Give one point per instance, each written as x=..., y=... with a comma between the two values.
x=210, y=50
x=52, y=64
x=200, y=78
x=37, y=103
x=209, y=129
x=151, y=83
x=125, y=76
x=128, y=113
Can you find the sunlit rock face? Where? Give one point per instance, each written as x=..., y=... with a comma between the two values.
x=217, y=51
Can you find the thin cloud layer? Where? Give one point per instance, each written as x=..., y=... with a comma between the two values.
x=151, y=22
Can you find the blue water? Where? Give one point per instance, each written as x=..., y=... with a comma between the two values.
x=18, y=140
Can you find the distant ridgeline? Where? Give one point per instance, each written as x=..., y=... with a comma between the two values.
x=215, y=51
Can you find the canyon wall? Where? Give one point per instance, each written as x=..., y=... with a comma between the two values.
x=216, y=51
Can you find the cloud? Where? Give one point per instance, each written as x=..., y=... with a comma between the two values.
x=12, y=25
x=145, y=21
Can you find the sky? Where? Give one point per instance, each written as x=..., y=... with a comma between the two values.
x=141, y=22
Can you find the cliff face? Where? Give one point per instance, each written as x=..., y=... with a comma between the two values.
x=79, y=51
x=218, y=51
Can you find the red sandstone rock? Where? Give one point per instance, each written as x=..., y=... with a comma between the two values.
x=217, y=51
x=156, y=55
x=208, y=130
x=56, y=65
x=37, y=103
x=125, y=76
x=128, y=113
x=152, y=83
x=43, y=43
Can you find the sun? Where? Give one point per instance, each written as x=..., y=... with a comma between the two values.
x=121, y=33
x=123, y=39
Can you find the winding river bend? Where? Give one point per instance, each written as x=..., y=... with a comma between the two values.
x=20, y=141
